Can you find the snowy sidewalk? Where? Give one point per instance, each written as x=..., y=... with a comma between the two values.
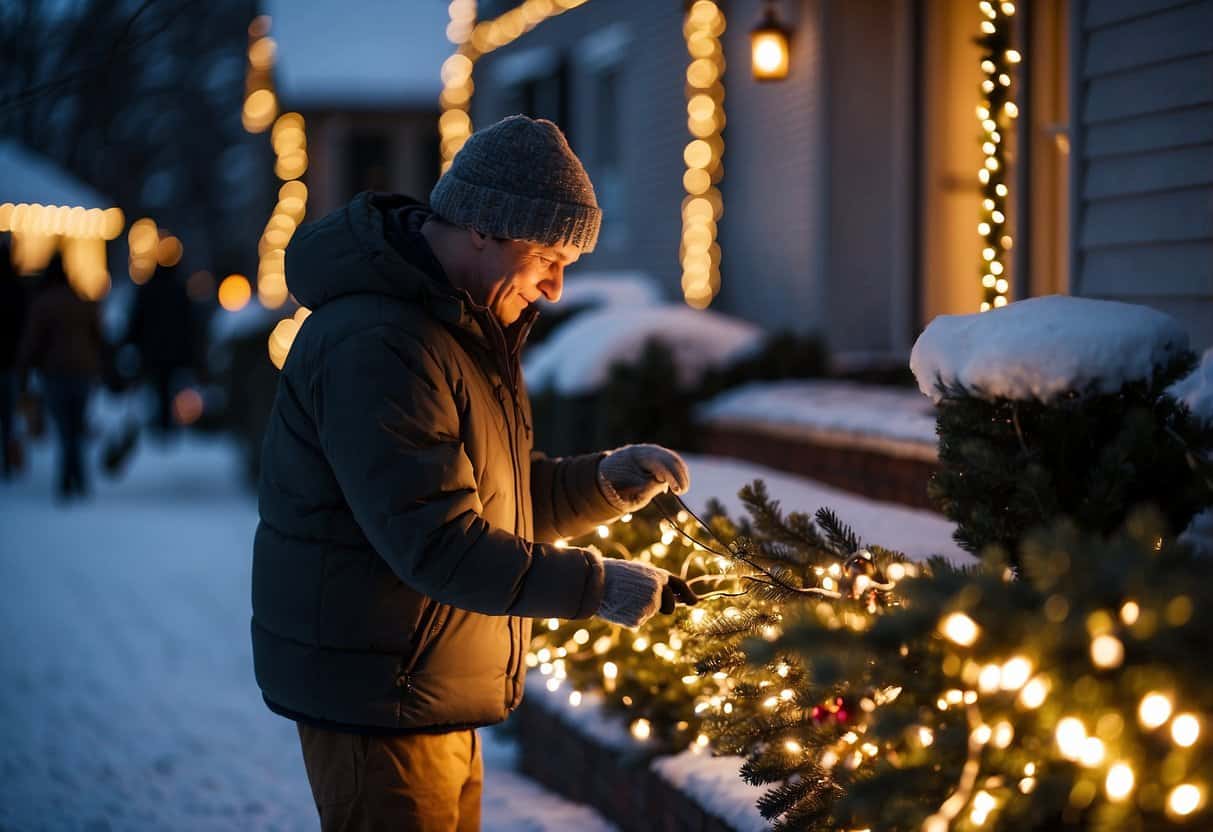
x=128, y=698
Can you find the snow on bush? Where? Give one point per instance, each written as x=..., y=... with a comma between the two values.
x=1040, y=348
x=576, y=358
x=1196, y=389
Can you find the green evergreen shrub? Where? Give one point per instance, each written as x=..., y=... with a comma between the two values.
x=1008, y=467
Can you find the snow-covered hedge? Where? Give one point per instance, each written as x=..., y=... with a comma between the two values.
x=1057, y=406
x=576, y=358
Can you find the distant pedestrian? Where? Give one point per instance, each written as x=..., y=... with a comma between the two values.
x=162, y=330
x=14, y=306
x=63, y=343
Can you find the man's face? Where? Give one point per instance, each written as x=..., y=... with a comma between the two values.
x=513, y=274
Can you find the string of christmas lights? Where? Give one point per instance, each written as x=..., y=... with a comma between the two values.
x=996, y=113
x=935, y=685
x=703, y=206
x=81, y=233
x=288, y=137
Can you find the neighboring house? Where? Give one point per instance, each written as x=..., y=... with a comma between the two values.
x=366, y=82
x=850, y=193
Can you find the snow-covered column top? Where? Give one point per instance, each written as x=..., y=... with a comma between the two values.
x=1040, y=348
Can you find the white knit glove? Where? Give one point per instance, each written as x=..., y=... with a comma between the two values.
x=633, y=591
x=632, y=475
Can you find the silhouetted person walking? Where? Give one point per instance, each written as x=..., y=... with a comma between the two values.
x=63, y=342
x=162, y=330
x=14, y=305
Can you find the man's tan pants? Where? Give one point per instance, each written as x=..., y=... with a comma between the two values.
x=418, y=782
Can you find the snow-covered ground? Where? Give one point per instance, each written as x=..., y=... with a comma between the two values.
x=128, y=699
x=899, y=422
x=917, y=533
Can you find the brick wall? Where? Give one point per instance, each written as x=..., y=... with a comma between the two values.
x=619, y=784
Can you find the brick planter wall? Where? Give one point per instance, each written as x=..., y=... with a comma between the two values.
x=619, y=784
x=867, y=470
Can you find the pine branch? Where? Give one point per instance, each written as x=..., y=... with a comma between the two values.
x=841, y=537
x=810, y=791
x=797, y=530
x=742, y=622
x=727, y=659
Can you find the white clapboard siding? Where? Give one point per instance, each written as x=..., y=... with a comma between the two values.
x=1156, y=131
x=1163, y=36
x=1099, y=13
x=1185, y=82
x=1184, y=269
x=1143, y=156
x=1143, y=173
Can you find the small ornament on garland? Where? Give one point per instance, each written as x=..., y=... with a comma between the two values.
x=864, y=582
x=837, y=710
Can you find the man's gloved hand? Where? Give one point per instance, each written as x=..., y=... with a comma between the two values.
x=634, y=591
x=632, y=475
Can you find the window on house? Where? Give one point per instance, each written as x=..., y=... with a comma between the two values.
x=607, y=162
x=368, y=157
x=602, y=58
x=543, y=96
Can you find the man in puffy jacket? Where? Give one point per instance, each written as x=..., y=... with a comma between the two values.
x=407, y=529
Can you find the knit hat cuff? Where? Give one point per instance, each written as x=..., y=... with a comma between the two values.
x=515, y=217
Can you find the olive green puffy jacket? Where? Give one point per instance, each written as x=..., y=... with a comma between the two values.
x=406, y=527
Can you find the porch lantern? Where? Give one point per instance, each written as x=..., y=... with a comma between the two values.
x=769, y=46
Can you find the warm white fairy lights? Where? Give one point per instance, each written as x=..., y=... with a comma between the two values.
x=990, y=695
x=260, y=101
x=288, y=137
x=1154, y=710
x=79, y=233
x=699, y=252
x=996, y=113
x=960, y=629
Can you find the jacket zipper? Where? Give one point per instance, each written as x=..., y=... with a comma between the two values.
x=425, y=639
x=511, y=376
x=513, y=623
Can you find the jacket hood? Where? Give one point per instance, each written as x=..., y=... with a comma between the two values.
x=347, y=253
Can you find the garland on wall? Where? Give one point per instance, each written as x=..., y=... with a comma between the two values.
x=288, y=137
x=699, y=252
x=996, y=112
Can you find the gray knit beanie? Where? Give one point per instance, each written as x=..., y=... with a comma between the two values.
x=519, y=179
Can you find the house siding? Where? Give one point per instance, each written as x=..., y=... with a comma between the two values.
x=1143, y=156
x=775, y=202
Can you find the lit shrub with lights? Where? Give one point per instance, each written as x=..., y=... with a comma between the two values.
x=1075, y=698
x=870, y=692
x=647, y=677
